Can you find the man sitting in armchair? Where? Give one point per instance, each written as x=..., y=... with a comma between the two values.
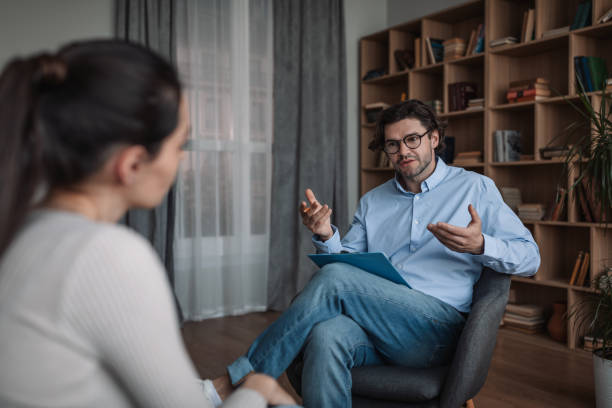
x=439, y=226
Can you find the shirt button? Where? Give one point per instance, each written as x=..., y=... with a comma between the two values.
x=416, y=197
x=416, y=221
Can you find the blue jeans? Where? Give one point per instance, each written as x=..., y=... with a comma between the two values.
x=346, y=317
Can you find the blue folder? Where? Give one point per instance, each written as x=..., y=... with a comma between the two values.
x=373, y=262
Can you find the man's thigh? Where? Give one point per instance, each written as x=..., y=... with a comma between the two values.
x=407, y=327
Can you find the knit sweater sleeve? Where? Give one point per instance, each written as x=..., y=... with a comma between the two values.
x=119, y=302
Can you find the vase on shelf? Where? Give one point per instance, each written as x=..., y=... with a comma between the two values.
x=557, y=326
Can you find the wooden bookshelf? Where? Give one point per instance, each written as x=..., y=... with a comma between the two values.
x=540, y=122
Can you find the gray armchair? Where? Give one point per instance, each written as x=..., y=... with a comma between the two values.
x=448, y=386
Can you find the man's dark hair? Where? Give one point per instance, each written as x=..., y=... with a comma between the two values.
x=410, y=109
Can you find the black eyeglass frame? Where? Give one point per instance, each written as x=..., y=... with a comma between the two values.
x=405, y=142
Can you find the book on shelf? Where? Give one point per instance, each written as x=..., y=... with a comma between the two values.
x=527, y=310
x=576, y=268
x=436, y=105
x=582, y=18
x=459, y=93
x=591, y=71
x=512, y=197
x=556, y=31
x=471, y=43
x=480, y=38
x=435, y=50
x=531, y=211
x=605, y=17
x=580, y=192
x=514, y=94
x=526, y=318
x=549, y=152
x=417, y=52
x=590, y=343
x=557, y=208
x=454, y=48
x=507, y=145
x=503, y=41
x=468, y=158
x=372, y=110
x=584, y=269
x=528, y=28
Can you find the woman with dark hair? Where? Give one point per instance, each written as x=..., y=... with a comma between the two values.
x=86, y=314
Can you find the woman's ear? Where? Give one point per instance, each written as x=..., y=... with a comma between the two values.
x=130, y=163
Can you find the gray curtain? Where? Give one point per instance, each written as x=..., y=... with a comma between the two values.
x=151, y=23
x=309, y=134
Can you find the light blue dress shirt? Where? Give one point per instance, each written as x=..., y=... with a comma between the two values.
x=394, y=221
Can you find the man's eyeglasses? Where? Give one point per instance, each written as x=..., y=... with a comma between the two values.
x=412, y=141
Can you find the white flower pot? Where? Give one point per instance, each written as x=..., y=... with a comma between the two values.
x=602, y=370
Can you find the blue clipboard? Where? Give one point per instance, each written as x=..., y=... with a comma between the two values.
x=373, y=262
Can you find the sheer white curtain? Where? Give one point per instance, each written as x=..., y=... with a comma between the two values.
x=225, y=58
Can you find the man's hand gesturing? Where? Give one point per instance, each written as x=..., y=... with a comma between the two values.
x=468, y=239
x=316, y=217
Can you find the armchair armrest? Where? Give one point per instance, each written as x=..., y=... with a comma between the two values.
x=468, y=370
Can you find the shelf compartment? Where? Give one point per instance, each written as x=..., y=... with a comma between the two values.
x=589, y=44
x=503, y=69
x=552, y=14
x=536, y=186
x=389, y=94
x=374, y=53
x=371, y=179
x=601, y=250
x=454, y=73
x=508, y=18
x=468, y=132
x=401, y=38
x=454, y=22
x=521, y=119
x=559, y=247
x=552, y=121
x=427, y=85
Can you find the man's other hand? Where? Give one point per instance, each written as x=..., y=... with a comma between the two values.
x=316, y=217
x=468, y=239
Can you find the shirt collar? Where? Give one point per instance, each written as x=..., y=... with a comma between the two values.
x=431, y=182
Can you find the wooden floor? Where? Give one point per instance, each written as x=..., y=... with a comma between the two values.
x=526, y=372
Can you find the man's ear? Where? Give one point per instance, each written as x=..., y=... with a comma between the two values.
x=129, y=164
x=435, y=138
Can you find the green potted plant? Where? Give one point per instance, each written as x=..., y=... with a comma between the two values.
x=593, y=315
x=589, y=158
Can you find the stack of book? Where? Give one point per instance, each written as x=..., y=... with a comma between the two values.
x=592, y=72
x=527, y=90
x=554, y=151
x=436, y=105
x=459, y=93
x=582, y=18
x=468, y=158
x=556, y=31
x=372, y=110
x=503, y=41
x=591, y=344
x=475, y=103
x=453, y=48
x=605, y=17
x=507, y=145
x=581, y=269
x=524, y=318
x=528, y=28
x=512, y=197
x=531, y=211
x=435, y=50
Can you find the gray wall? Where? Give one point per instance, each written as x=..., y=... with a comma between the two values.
x=361, y=17
x=401, y=11
x=35, y=25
